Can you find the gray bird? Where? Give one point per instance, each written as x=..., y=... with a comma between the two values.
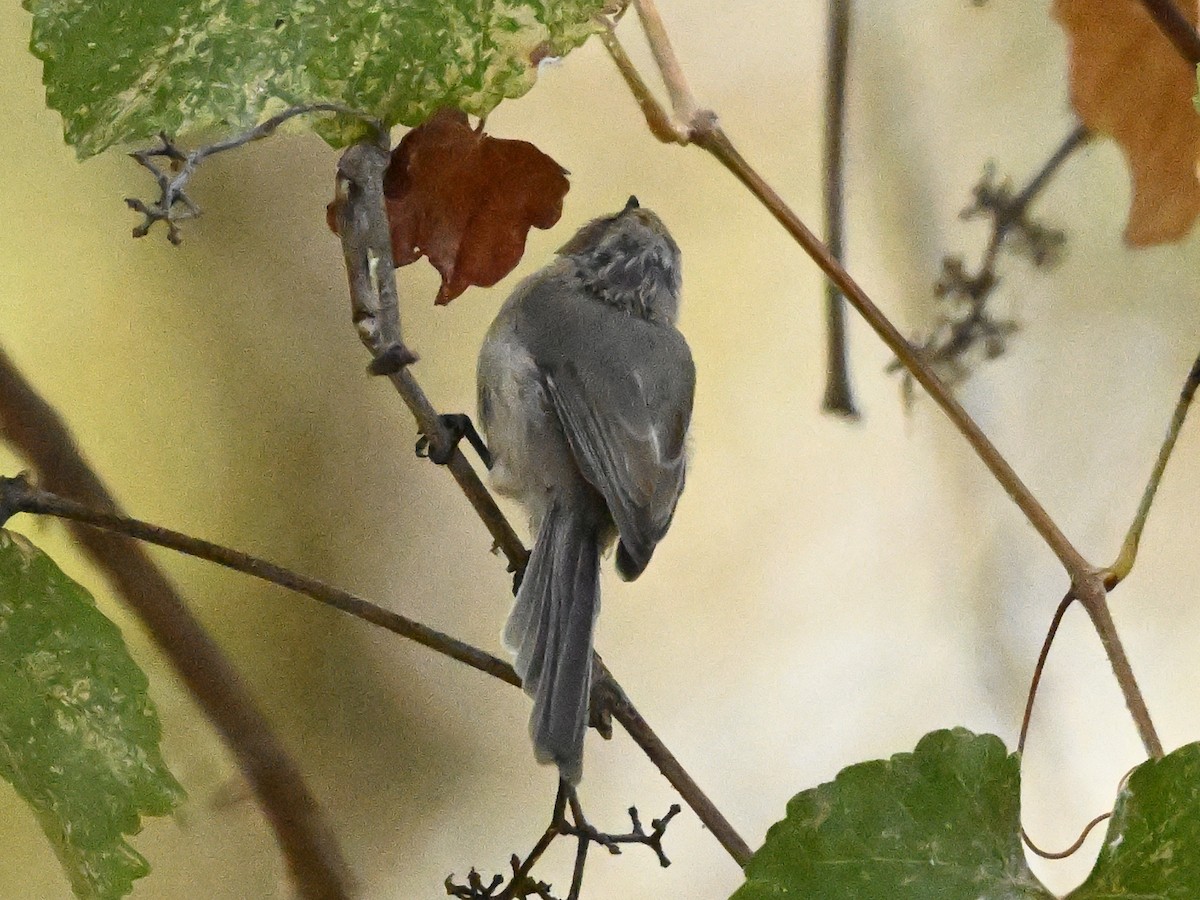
x=585, y=395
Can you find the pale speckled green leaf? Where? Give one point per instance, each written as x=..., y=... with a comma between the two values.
x=120, y=71
x=1152, y=849
x=940, y=823
x=78, y=733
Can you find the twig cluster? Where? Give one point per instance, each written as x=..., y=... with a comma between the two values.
x=521, y=883
x=966, y=327
x=173, y=204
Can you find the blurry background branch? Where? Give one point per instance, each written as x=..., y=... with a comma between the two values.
x=965, y=321
x=33, y=428
x=839, y=395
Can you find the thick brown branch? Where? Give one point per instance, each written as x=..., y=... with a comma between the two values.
x=32, y=426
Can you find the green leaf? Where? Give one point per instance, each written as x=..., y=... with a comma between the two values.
x=941, y=823
x=1152, y=849
x=78, y=733
x=122, y=70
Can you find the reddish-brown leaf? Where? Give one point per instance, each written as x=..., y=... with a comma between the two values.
x=1128, y=81
x=467, y=201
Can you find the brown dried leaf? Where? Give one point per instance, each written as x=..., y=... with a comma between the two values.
x=1128, y=81
x=467, y=200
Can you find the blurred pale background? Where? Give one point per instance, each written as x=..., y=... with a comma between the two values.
x=829, y=592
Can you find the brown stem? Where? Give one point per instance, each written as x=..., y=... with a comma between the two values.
x=683, y=102
x=1120, y=569
x=1177, y=27
x=1040, y=667
x=644, y=736
x=17, y=495
x=1092, y=596
x=708, y=134
x=1063, y=854
x=308, y=844
x=839, y=396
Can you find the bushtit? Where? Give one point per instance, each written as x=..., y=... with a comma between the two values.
x=585, y=394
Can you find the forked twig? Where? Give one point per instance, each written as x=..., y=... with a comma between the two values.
x=173, y=204
x=700, y=126
x=522, y=885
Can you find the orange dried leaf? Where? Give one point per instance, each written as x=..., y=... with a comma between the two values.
x=467, y=201
x=1128, y=81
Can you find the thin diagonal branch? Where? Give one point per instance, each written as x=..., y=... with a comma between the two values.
x=709, y=135
x=313, y=856
x=1087, y=583
x=17, y=495
x=1092, y=597
x=1117, y=572
x=1040, y=667
x=706, y=132
x=839, y=395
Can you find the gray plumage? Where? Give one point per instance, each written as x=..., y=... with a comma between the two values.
x=585, y=395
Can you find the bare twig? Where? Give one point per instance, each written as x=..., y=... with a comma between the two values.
x=172, y=184
x=712, y=138
x=1040, y=667
x=313, y=856
x=644, y=736
x=705, y=131
x=18, y=495
x=1177, y=27
x=839, y=396
x=521, y=884
x=1123, y=565
x=362, y=226
x=683, y=102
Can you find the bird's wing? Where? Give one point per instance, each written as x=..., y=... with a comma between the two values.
x=622, y=389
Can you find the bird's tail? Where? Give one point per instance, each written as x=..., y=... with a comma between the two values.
x=550, y=632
